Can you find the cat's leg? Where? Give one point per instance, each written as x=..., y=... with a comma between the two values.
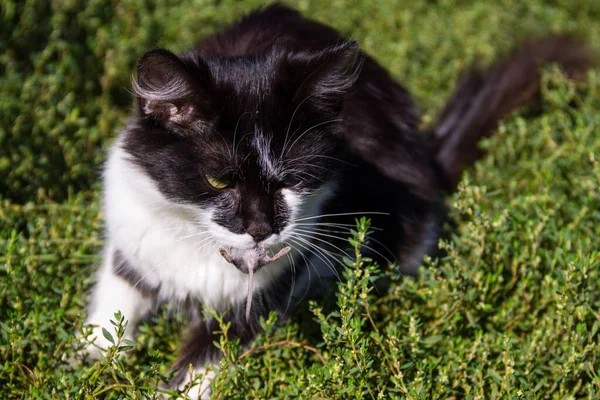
x=199, y=350
x=119, y=288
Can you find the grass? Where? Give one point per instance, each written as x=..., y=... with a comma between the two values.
x=510, y=311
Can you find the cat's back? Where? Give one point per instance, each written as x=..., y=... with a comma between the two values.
x=376, y=94
x=262, y=29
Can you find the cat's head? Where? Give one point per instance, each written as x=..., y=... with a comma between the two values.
x=248, y=141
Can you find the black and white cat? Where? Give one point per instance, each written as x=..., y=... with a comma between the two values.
x=278, y=132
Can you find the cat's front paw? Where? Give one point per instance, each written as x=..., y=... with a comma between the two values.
x=96, y=344
x=93, y=346
x=195, y=385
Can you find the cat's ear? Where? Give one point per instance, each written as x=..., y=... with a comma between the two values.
x=327, y=75
x=167, y=91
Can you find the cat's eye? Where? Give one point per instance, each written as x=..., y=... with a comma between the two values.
x=220, y=183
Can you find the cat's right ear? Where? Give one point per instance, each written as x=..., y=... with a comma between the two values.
x=167, y=91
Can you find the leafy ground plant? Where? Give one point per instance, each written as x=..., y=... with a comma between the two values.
x=509, y=308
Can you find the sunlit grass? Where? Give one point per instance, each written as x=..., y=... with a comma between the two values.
x=511, y=310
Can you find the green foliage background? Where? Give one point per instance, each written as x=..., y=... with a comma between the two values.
x=511, y=310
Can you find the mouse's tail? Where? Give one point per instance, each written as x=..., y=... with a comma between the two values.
x=483, y=97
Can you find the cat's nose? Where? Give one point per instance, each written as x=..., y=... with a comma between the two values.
x=259, y=231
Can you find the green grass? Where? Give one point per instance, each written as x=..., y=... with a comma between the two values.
x=511, y=311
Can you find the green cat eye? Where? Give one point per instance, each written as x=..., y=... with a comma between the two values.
x=217, y=183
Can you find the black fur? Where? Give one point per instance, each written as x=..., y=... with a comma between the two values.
x=484, y=96
x=199, y=348
x=281, y=84
x=124, y=270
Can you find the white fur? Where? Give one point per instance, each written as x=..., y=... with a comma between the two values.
x=201, y=390
x=174, y=246
x=113, y=294
x=262, y=145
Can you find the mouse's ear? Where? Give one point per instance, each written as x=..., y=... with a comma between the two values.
x=168, y=91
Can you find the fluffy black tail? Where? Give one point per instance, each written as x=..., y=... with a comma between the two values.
x=483, y=97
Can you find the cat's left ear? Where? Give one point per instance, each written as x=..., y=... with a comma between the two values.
x=327, y=75
x=167, y=91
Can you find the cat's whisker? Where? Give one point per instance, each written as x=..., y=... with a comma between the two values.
x=310, y=175
x=294, y=133
x=313, y=237
x=345, y=239
x=210, y=242
x=335, y=224
x=287, y=133
x=347, y=232
x=308, y=130
x=180, y=239
x=363, y=213
x=320, y=253
x=326, y=225
x=222, y=139
x=292, y=265
x=234, y=157
x=236, y=147
x=309, y=165
x=146, y=274
x=308, y=262
x=328, y=256
x=291, y=161
x=203, y=241
x=341, y=230
x=245, y=158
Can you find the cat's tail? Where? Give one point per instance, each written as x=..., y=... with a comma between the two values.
x=483, y=97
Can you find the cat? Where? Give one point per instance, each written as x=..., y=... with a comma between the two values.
x=278, y=132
